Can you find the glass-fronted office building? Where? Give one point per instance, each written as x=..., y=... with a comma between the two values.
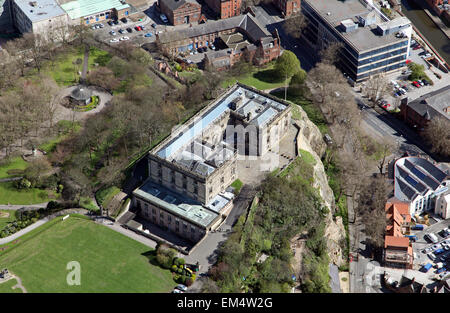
x=371, y=43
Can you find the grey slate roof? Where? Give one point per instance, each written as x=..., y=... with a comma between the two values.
x=175, y=4
x=245, y=23
x=433, y=104
x=416, y=176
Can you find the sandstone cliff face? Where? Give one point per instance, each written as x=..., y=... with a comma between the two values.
x=310, y=139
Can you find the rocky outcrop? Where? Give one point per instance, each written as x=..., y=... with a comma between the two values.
x=310, y=139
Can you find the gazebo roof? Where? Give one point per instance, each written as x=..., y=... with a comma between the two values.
x=81, y=93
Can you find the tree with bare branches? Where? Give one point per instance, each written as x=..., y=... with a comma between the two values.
x=437, y=132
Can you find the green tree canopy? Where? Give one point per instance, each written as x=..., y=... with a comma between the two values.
x=296, y=85
x=287, y=64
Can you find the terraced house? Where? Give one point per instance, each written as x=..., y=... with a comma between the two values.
x=189, y=172
x=371, y=42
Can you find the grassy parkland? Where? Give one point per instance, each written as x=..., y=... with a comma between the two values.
x=109, y=261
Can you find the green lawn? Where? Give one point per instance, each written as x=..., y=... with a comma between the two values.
x=65, y=72
x=7, y=287
x=6, y=220
x=105, y=195
x=109, y=261
x=16, y=163
x=9, y=194
x=260, y=78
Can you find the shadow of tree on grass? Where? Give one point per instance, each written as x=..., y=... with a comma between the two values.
x=268, y=76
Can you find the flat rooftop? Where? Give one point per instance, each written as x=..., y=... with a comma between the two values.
x=185, y=146
x=39, y=10
x=177, y=204
x=81, y=8
x=363, y=38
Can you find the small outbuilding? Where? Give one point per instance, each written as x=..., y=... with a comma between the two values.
x=81, y=94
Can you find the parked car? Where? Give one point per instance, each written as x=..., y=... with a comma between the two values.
x=115, y=22
x=110, y=23
x=431, y=237
x=431, y=256
x=163, y=18
x=124, y=20
x=181, y=287
x=148, y=35
x=413, y=42
x=129, y=29
x=421, y=82
x=121, y=31
x=427, y=55
x=426, y=267
x=154, y=25
x=124, y=38
x=417, y=47
x=405, y=88
x=426, y=82
x=438, y=251
x=177, y=291
x=416, y=84
x=417, y=227
x=101, y=25
x=114, y=40
x=113, y=33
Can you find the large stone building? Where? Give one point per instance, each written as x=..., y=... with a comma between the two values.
x=225, y=8
x=190, y=171
x=43, y=16
x=240, y=35
x=287, y=7
x=6, y=25
x=371, y=43
x=38, y=17
x=181, y=11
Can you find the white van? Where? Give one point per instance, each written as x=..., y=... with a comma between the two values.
x=433, y=238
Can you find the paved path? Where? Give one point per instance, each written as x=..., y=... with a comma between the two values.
x=131, y=234
x=19, y=206
x=19, y=284
x=64, y=113
x=23, y=231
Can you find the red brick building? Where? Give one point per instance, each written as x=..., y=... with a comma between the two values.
x=287, y=7
x=247, y=36
x=225, y=8
x=421, y=111
x=397, y=248
x=180, y=11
